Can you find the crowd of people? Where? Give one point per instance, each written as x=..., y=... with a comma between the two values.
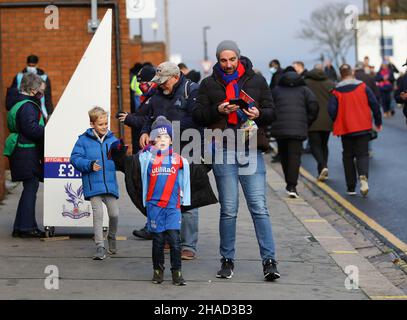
x=297, y=105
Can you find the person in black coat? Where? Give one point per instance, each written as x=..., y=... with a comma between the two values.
x=368, y=79
x=137, y=118
x=32, y=67
x=296, y=109
x=276, y=73
x=401, y=92
x=192, y=75
x=330, y=71
x=26, y=161
x=232, y=76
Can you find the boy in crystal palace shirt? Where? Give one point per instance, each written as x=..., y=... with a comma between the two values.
x=166, y=186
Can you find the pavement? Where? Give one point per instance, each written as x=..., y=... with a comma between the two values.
x=313, y=258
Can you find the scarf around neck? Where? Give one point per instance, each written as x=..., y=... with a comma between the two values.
x=232, y=88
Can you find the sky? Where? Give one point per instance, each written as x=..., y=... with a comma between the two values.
x=263, y=29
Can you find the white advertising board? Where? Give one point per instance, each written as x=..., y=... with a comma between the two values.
x=90, y=85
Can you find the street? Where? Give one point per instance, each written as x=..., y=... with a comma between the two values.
x=386, y=203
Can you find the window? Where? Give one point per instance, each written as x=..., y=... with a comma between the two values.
x=386, y=46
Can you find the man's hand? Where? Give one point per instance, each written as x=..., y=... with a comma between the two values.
x=144, y=140
x=252, y=113
x=122, y=116
x=96, y=167
x=226, y=108
x=403, y=95
x=377, y=129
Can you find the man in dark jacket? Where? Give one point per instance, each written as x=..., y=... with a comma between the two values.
x=276, y=73
x=330, y=71
x=299, y=67
x=175, y=99
x=192, y=75
x=319, y=131
x=351, y=107
x=27, y=152
x=368, y=79
x=232, y=75
x=401, y=92
x=32, y=67
x=296, y=110
x=138, y=117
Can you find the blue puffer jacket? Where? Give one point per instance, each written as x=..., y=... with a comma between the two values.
x=87, y=150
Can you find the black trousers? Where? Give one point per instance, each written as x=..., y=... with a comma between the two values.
x=174, y=239
x=25, y=218
x=290, y=155
x=318, y=141
x=355, y=148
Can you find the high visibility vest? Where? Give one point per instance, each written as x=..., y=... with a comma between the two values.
x=135, y=86
x=12, y=140
x=43, y=77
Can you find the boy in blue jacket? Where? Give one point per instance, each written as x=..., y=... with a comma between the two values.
x=166, y=186
x=90, y=157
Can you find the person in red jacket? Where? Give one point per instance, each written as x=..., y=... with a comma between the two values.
x=350, y=107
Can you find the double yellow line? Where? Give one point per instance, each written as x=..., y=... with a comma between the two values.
x=356, y=212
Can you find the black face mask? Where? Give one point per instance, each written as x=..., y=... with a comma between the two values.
x=38, y=95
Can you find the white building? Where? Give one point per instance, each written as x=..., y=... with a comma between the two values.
x=392, y=23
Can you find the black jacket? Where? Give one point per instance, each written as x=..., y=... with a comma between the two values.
x=401, y=86
x=370, y=81
x=26, y=163
x=47, y=94
x=176, y=106
x=275, y=79
x=212, y=92
x=296, y=107
x=201, y=190
x=331, y=73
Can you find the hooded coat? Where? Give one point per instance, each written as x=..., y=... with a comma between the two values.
x=321, y=86
x=296, y=107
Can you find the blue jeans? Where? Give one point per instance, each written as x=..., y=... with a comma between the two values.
x=255, y=189
x=189, y=230
x=25, y=217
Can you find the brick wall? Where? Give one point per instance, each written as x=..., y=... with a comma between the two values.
x=22, y=33
x=153, y=52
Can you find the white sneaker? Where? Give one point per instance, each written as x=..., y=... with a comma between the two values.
x=323, y=175
x=364, y=186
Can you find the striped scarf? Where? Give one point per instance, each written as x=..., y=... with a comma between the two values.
x=232, y=88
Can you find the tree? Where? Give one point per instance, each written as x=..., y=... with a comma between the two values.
x=328, y=30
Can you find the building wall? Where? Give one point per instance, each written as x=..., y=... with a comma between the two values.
x=369, y=41
x=141, y=51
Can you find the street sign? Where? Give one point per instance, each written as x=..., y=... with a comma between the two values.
x=140, y=9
